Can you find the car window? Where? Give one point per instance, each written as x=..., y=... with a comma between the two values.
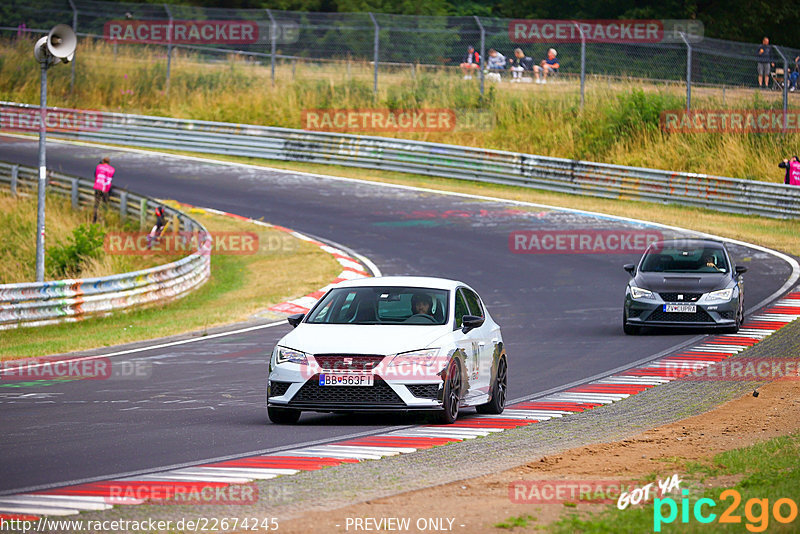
x=461, y=308
x=685, y=260
x=473, y=302
x=382, y=305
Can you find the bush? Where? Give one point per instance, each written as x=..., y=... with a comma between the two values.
x=68, y=259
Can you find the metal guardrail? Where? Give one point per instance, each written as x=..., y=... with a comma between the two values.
x=432, y=159
x=40, y=303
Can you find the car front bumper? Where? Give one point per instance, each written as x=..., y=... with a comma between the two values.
x=708, y=315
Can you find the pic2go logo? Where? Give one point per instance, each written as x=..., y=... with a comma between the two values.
x=756, y=521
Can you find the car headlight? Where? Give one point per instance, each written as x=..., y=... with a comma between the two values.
x=722, y=294
x=285, y=355
x=639, y=293
x=426, y=357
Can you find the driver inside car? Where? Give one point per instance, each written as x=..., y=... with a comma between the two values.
x=421, y=304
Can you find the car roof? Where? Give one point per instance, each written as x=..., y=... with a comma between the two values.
x=400, y=281
x=689, y=243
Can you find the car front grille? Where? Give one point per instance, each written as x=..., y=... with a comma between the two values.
x=424, y=391
x=687, y=297
x=378, y=394
x=700, y=317
x=278, y=389
x=348, y=362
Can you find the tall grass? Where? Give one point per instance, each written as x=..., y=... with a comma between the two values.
x=619, y=124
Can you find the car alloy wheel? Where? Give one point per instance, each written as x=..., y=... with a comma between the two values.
x=499, y=391
x=452, y=391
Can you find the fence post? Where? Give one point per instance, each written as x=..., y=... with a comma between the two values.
x=273, y=32
x=688, y=73
x=74, y=194
x=75, y=29
x=169, y=45
x=785, y=88
x=482, y=63
x=142, y=213
x=376, y=51
x=14, y=177
x=583, y=60
x=123, y=205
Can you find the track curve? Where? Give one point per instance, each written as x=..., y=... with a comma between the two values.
x=560, y=315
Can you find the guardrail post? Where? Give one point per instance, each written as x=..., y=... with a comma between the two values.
x=273, y=32
x=75, y=28
x=482, y=64
x=785, y=88
x=74, y=194
x=14, y=178
x=123, y=204
x=376, y=47
x=169, y=45
x=142, y=213
x=688, y=73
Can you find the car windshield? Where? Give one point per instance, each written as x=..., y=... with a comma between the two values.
x=382, y=305
x=666, y=259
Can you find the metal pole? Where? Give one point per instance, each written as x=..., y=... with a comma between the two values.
x=785, y=89
x=583, y=60
x=376, y=51
x=74, y=27
x=688, y=73
x=169, y=45
x=273, y=32
x=483, y=50
x=42, y=174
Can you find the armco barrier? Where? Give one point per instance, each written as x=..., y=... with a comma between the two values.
x=432, y=159
x=39, y=303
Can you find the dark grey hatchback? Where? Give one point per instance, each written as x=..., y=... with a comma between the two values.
x=684, y=283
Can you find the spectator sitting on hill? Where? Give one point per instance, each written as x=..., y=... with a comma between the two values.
x=471, y=62
x=519, y=64
x=548, y=65
x=496, y=61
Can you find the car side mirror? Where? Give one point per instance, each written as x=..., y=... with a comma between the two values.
x=630, y=267
x=471, y=321
x=295, y=319
x=740, y=269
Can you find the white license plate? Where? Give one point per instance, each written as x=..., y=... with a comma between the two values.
x=680, y=308
x=328, y=379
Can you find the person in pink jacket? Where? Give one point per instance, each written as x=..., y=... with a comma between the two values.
x=792, y=170
x=103, y=174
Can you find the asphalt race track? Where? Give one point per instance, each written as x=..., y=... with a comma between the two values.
x=560, y=314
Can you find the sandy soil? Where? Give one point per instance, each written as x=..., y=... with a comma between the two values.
x=476, y=505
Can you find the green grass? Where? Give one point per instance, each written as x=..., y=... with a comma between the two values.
x=517, y=521
x=240, y=286
x=619, y=124
x=769, y=470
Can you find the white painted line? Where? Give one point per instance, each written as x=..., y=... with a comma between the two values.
x=335, y=454
x=28, y=509
x=252, y=472
x=384, y=451
x=166, y=477
x=46, y=500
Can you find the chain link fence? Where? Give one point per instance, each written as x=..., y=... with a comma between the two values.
x=372, y=44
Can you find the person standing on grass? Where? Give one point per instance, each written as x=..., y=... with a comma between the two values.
x=792, y=170
x=764, y=58
x=103, y=174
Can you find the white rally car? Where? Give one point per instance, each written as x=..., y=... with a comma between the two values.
x=390, y=344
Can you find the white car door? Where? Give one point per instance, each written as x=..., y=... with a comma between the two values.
x=483, y=336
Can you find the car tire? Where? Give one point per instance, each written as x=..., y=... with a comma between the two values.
x=629, y=330
x=739, y=320
x=283, y=416
x=499, y=391
x=451, y=396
